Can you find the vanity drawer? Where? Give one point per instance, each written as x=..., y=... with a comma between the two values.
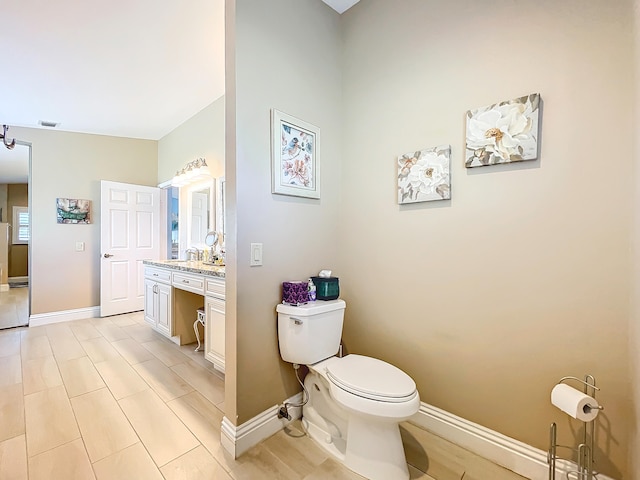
x=158, y=274
x=214, y=287
x=191, y=283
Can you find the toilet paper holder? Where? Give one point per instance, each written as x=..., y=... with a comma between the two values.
x=584, y=450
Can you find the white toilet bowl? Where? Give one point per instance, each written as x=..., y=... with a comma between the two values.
x=354, y=409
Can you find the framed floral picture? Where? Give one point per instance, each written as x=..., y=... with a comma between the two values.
x=295, y=159
x=424, y=176
x=505, y=132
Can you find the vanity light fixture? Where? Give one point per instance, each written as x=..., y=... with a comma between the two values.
x=191, y=172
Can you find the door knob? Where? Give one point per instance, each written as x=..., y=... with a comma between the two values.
x=107, y=255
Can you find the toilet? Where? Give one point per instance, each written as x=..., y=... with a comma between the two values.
x=355, y=403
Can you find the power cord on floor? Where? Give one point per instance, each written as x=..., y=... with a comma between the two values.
x=283, y=412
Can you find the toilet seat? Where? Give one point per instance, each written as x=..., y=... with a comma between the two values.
x=371, y=378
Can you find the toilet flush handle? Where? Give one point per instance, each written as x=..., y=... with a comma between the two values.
x=296, y=321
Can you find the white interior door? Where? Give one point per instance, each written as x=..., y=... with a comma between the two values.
x=199, y=217
x=129, y=231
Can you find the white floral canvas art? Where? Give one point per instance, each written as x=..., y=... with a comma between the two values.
x=505, y=132
x=424, y=176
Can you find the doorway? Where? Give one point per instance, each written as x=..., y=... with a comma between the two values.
x=15, y=232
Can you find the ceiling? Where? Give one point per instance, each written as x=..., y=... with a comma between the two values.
x=129, y=68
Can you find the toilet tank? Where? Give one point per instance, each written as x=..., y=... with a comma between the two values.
x=310, y=333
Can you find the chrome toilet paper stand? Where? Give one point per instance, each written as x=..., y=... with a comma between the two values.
x=585, y=449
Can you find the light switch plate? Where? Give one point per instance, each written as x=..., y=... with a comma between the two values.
x=79, y=246
x=256, y=255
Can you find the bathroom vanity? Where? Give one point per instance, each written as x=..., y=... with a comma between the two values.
x=174, y=290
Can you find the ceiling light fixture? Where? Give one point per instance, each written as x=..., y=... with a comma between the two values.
x=5, y=139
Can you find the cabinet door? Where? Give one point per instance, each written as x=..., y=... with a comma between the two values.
x=164, y=309
x=150, y=303
x=214, y=332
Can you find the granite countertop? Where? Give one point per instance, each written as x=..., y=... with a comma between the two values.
x=189, y=266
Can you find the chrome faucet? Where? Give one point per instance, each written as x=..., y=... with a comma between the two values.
x=193, y=254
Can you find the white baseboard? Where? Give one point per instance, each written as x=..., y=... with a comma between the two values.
x=39, y=319
x=19, y=279
x=518, y=457
x=238, y=439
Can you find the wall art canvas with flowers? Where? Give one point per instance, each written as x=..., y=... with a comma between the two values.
x=505, y=132
x=424, y=176
x=294, y=156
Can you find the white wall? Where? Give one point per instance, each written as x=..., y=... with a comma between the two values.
x=523, y=277
x=71, y=165
x=286, y=56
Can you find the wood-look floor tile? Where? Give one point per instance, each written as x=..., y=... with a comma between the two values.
x=66, y=462
x=261, y=463
x=32, y=332
x=13, y=459
x=66, y=347
x=80, y=376
x=121, y=378
x=296, y=449
x=330, y=469
x=161, y=432
x=9, y=344
x=126, y=319
x=111, y=331
x=204, y=420
x=132, y=351
x=106, y=433
x=11, y=412
x=166, y=352
x=415, y=474
x=167, y=384
x=39, y=374
x=99, y=349
x=10, y=370
x=428, y=454
x=198, y=464
x=49, y=420
x=207, y=383
x=142, y=333
x=35, y=346
x=132, y=463
x=84, y=330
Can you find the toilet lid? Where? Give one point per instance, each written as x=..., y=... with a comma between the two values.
x=371, y=378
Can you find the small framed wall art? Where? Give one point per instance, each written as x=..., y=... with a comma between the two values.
x=71, y=210
x=424, y=176
x=504, y=132
x=295, y=157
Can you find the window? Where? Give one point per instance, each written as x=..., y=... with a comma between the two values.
x=20, y=230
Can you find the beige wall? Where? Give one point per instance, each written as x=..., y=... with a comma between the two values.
x=17, y=196
x=71, y=165
x=299, y=75
x=200, y=136
x=634, y=320
x=489, y=299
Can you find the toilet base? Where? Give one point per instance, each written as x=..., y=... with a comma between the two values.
x=371, y=447
x=375, y=450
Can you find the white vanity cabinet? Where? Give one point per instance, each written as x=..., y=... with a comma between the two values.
x=158, y=299
x=215, y=320
x=174, y=291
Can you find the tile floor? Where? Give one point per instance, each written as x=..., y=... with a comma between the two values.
x=112, y=399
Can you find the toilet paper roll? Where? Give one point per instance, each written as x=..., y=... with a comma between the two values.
x=574, y=403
